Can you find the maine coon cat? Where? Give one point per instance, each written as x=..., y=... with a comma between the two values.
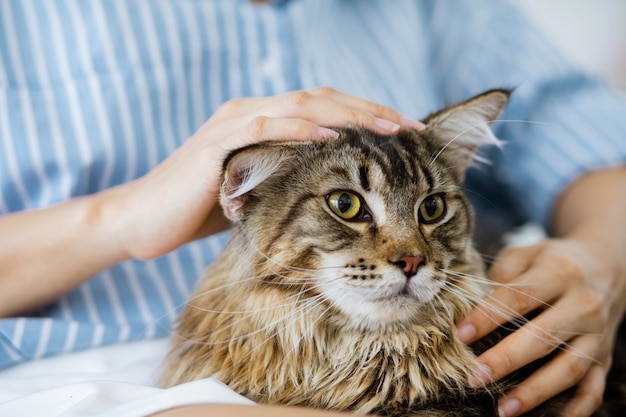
x=349, y=265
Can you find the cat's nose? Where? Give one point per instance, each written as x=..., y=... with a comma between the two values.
x=410, y=264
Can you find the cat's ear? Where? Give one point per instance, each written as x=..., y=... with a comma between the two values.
x=246, y=168
x=459, y=130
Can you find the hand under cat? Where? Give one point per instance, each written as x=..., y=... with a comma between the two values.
x=177, y=201
x=579, y=284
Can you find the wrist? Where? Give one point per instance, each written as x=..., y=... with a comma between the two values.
x=591, y=211
x=100, y=219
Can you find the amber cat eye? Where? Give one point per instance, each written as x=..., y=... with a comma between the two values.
x=432, y=209
x=344, y=204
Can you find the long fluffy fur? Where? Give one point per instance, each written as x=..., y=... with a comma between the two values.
x=285, y=315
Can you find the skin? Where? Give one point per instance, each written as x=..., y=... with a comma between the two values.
x=581, y=273
x=154, y=215
x=225, y=410
x=587, y=287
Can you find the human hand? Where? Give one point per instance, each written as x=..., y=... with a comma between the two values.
x=177, y=201
x=578, y=285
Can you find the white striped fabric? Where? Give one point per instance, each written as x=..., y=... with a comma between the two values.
x=96, y=93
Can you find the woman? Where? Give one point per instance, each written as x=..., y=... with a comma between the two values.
x=98, y=98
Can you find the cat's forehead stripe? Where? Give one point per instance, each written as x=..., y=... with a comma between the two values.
x=386, y=157
x=364, y=177
x=400, y=159
x=378, y=162
x=428, y=176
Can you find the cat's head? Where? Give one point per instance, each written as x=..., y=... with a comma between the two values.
x=373, y=227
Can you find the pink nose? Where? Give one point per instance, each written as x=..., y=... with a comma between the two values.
x=409, y=264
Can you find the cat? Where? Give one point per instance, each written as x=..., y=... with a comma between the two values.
x=349, y=265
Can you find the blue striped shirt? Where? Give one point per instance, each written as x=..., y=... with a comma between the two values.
x=96, y=93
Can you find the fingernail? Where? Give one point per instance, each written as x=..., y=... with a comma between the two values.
x=326, y=133
x=481, y=377
x=386, y=125
x=509, y=408
x=466, y=332
x=413, y=124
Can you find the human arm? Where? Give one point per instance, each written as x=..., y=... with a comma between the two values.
x=227, y=410
x=587, y=301
x=47, y=252
x=560, y=123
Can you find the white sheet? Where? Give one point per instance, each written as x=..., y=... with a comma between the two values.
x=113, y=381
x=118, y=381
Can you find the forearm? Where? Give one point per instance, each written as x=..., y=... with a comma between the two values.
x=46, y=253
x=227, y=410
x=594, y=206
x=593, y=209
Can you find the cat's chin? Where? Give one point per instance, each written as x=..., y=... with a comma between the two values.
x=391, y=313
x=393, y=302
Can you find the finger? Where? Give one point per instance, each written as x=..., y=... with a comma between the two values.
x=231, y=134
x=589, y=393
x=571, y=317
x=511, y=262
x=377, y=110
x=567, y=369
x=498, y=308
x=262, y=128
x=337, y=110
x=529, y=343
x=506, y=304
x=327, y=111
x=534, y=289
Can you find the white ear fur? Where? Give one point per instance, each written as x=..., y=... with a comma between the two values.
x=461, y=129
x=243, y=173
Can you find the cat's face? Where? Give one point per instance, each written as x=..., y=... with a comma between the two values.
x=371, y=226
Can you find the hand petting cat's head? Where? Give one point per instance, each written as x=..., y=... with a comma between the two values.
x=374, y=228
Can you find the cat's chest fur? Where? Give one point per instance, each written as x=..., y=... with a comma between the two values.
x=279, y=352
x=350, y=263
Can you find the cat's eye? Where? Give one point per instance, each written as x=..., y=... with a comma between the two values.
x=344, y=204
x=432, y=209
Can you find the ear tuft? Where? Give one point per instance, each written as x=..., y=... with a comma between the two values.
x=245, y=169
x=460, y=129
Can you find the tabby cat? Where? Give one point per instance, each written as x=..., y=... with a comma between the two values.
x=349, y=265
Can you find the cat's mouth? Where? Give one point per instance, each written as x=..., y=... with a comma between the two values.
x=404, y=295
x=398, y=300
x=411, y=293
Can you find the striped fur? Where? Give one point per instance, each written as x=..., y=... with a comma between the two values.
x=101, y=91
x=305, y=308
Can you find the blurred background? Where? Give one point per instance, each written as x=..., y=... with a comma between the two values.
x=591, y=32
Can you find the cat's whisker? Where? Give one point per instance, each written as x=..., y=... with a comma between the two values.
x=248, y=280
x=292, y=280
x=197, y=296
x=320, y=285
x=511, y=286
x=272, y=324
x=487, y=122
x=277, y=328
x=273, y=261
x=302, y=310
x=522, y=323
x=242, y=312
x=543, y=335
x=304, y=334
x=443, y=148
x=438, y=303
